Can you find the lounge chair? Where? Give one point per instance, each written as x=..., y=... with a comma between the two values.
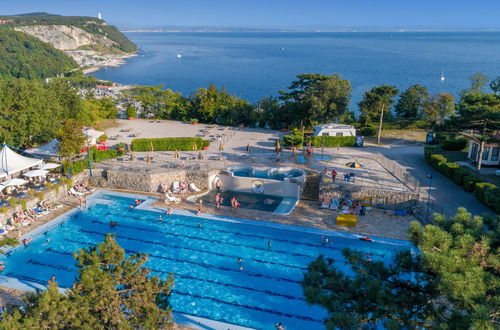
x=325, y=204
x=193, y=187
x=175, y=187
x=334, y=205
x=171, y=199
x=73, y=192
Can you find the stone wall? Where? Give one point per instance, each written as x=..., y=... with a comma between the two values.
x=381, y=198
x=147, y=182
x=54, y=195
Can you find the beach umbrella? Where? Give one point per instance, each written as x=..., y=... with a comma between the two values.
x=35, y=173
x=176, y=155
x=14, y=182
x=151, y=148
x=353, y=165
x=195, y=147
x=48, y=166
x=200, y=156
x=248, y=147
x=221, y=148
x=278, y=146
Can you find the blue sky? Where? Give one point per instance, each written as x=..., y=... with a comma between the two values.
x=457, y=13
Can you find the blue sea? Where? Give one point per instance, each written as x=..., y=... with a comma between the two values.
x=258, y=65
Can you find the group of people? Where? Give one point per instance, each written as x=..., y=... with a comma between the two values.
x=83, y=188
x=349, y=177
x=24, y=218
x=346, y=205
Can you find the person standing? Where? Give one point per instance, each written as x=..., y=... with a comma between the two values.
x=334, y=175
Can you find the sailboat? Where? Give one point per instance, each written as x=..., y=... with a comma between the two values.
x=442, y=76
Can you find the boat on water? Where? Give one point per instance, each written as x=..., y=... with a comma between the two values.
x=442, y=76
x=178, y=55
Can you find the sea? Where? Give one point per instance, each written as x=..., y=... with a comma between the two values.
x=258, y=65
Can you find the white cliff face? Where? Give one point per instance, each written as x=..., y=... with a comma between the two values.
x=64, y=37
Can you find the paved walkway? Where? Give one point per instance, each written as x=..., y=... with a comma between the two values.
x=446, y=196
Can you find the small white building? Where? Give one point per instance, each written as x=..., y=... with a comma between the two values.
x=334, y=130
x=491, y=151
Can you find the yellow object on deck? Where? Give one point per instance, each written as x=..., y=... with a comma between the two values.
x=367, y=201
x=349, y=220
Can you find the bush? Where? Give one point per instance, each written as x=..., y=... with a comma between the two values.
x=131, y=112
x=100, y=155
x=367, y=131
x=460, y=173
x=448, y=169
x=8, y=241
x=436, y=160
x=76, y=166
x=480, y=190
x=334, y=141
x=470, y=182
x=4, y=209
x=102, y=138
x=40, y=195
x=169, y=144
x=492, y=199
x=454, y=144
x=294, y=139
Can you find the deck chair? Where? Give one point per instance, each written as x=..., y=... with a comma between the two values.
x=193, y=187
x=175, y=187
x=171, y=199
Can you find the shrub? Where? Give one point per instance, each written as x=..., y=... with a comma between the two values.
x=168, y=144
x=8, y=241
x=367, y=131
x=470, y=182
x=481, y=188
x=454, y=144
x=102, y=138
x=460, y=173
x=76, y=166
x=4, y=209
x=492, y=198
x=449, y=169
x=293, y=139
x=22, y=202
x=100, y=155
x=436, y=160
x=40, y=195
x=131, y=112
x=334, y=141
x=67, y=181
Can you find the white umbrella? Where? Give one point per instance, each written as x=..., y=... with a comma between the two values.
x=14, y=182
x=48, y=166
x=35, y=173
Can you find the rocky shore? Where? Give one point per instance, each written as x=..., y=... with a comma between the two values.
x=92, y=61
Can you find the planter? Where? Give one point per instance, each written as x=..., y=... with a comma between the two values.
x=131, y=118
x=194, y=123
x=205, y=148
x=121, y=149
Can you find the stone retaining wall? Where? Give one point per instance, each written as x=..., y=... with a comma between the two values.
x=381, y=198
x=148, y=182
x=51, y=196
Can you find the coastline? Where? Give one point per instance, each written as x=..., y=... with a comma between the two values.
x=91, y=61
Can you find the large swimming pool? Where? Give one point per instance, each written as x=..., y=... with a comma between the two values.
x=208, y=281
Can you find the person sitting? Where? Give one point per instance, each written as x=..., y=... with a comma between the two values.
x=218, y=185
x=326, y=202
x=138, y=201
x=169, y=211
x=182, y=188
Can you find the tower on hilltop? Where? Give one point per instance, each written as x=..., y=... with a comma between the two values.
x=99, y=16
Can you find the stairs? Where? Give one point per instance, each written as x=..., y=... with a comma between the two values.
x=311, y=187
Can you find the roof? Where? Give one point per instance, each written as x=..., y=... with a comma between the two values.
x=333, y=126
x=11, y=162
x=49, y=149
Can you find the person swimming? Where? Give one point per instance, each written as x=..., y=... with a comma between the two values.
x=26, y=242
x=199, y=225
x=240, y=260
x=169, y=211
x=112, y=224
x=160, y=218
x=269, y=244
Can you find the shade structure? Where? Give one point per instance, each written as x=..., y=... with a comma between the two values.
x=35, y=173
x=11, y=162
x=50, y=149
x=14, y=182
x=353, y=165
x=48, y=166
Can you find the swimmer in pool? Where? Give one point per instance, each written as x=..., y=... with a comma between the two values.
x=160, y=219
x=240, y=260
x=199, y=225
x=269, y=244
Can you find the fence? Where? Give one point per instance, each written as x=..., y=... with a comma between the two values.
x=399, y=172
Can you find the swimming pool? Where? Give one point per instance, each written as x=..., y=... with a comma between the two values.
x=208, y=282
x=279, y=174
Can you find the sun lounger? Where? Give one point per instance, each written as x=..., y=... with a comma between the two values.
x=193, y=187
x=73, y=192
x=171, y=199
x=326, y=203
x=334, y=205
x=175, y=187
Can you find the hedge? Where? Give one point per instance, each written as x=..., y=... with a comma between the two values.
x=169, y=144
x=367, y=131
x=334, y=141
x=294, y=138
x=454, y=144
x=487, y=193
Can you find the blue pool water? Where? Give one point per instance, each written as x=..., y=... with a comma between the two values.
x=208, y=282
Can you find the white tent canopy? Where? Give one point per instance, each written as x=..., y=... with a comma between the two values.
x=93, y=135
x=50, y=149
x=12, y=162
x=14, y=182
x=48, y=166
x=35, y=173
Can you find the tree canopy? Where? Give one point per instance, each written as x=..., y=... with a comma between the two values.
x=112, y=291
x=24, y=56
x=379, y=98
x=452, y=283
x=411, y=102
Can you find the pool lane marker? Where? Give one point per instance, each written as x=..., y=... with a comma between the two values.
x=265, y=310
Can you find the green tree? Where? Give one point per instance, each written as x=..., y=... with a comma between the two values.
x=112, y=291
x=71, y=138
x=477, y=83
x=453, y=283
x=411, y=102
x=375, y=103
x=479, y=112
x=316, y=98
x=439, y=107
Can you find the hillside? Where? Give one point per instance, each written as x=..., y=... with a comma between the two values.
x=76, y=32
x=24, y=56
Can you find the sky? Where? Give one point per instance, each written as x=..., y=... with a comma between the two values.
x=346, y=13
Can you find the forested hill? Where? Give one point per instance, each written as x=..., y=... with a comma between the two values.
x=103, y=37
x=24, y=56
